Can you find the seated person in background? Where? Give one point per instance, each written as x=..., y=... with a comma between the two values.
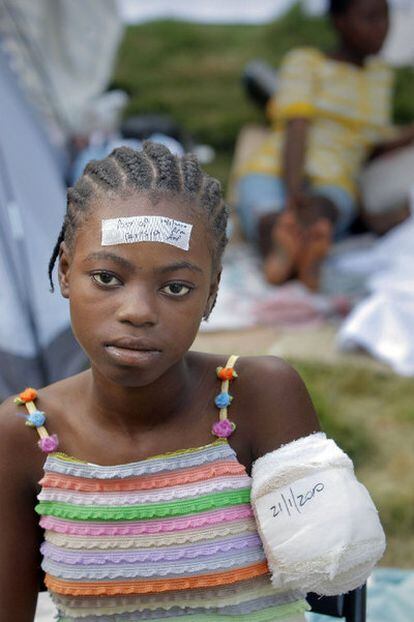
x=299, y=190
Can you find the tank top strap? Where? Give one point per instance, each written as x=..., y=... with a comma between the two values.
x=36, y=419
x=224, y=427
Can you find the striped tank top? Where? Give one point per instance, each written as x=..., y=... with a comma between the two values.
x=170, y=537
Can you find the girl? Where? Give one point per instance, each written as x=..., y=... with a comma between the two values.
x=144, y=504
x=299, y=189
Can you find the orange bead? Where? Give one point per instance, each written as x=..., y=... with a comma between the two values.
x=226, y=373
x=28, y=395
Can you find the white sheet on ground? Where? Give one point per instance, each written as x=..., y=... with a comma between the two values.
x=383, y=323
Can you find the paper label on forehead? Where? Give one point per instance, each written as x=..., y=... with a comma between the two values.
x=146, y=229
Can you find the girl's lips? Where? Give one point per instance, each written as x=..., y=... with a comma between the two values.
x=132, y=356
x=132, y=343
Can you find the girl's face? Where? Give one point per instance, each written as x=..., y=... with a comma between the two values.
x=364, y=26
x=136, y=307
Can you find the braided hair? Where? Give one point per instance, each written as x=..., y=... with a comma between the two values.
x=154, y=169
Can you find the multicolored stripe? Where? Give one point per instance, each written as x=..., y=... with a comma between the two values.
x=169, y=537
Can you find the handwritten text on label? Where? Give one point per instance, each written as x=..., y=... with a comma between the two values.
x=146, y=229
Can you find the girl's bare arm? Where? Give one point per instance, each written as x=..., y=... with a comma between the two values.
x=20, y=461
x=278, y=406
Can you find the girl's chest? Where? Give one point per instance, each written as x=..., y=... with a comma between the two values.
x=81, y=437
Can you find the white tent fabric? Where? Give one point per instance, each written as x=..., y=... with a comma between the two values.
x=383, y=323
x=36, y=345
x=399, y=46
x=207, y=11
x=63, y=53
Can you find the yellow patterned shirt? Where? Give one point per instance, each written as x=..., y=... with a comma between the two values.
x=349, y=109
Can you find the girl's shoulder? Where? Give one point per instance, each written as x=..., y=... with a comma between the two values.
x=20, y=458
x=270, y=405
x=52, y=400
x=275, y=403
x=266, y=377
x=20, y=417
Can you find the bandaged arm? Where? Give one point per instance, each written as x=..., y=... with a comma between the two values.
x=320, y=529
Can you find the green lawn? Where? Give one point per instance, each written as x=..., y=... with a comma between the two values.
x=371, y=415
x=192, y=72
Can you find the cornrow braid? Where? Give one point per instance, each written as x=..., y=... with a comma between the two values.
x=135, y=166
x=152, y=169
x=104, y=172
x=54, y=256
x=166, y=165
x=192, y=174
x=212, y=203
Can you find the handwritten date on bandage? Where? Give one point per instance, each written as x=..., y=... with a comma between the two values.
x=291, y=501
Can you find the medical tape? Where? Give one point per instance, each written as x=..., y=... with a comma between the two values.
x=146, y=229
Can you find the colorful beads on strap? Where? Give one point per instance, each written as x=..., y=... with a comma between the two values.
x=223, y=428
x=36, y=419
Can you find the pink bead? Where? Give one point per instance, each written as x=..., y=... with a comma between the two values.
x=224, y=428
x=49, y=443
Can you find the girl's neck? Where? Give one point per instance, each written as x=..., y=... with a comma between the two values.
x=137, y=409
x=345, y=54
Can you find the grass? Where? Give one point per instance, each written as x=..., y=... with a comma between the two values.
x=192, y=72
x=371, y=415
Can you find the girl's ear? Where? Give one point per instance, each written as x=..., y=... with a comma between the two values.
x=63, y=269
x=212, y=297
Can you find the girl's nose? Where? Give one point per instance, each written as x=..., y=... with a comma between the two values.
x=138, y=307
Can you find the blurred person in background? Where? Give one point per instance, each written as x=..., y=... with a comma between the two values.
x=331, y=112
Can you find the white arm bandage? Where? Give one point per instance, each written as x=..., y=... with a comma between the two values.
x=320, y=529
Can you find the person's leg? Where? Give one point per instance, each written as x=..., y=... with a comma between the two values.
x=292, y=242
x=282, y=247
x=260, y=204
x=301, y=238
x=326, y=215
x=344, y=204
x=258, y=197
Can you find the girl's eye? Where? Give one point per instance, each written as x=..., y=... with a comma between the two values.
x=176, y=289
x=105, y=279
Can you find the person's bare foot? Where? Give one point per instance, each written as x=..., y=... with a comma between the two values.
x=281, y=261
x=318, y=241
